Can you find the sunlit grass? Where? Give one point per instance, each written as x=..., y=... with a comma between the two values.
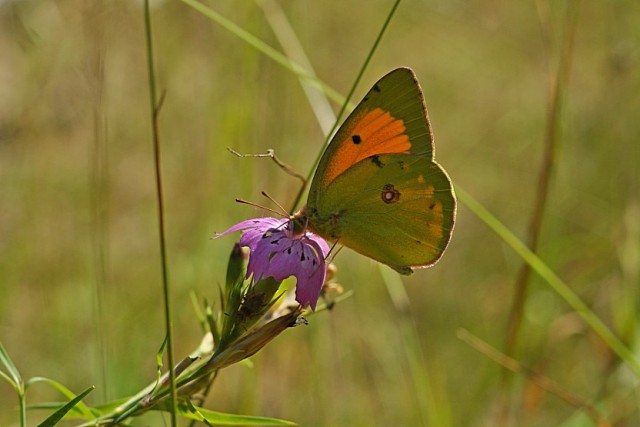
x=485, y=75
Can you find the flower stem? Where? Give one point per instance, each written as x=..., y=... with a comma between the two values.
x=155, y=109
x=23, y=409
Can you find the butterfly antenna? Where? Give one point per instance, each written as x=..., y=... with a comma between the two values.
x=283, y=211
x=255, y=205
x=333, y=254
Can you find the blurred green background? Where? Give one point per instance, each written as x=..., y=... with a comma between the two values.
x=78, y=227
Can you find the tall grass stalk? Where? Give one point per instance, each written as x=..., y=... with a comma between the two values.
x=540, y=381
x=294, y=50
x=99, y=179
x=292, y=47
x=434, y=411
x=347, y=101
x=295, y=67
x=264, y=48
x=552, y=139
x=155, y=110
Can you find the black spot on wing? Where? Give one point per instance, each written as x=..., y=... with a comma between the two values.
x=376, y=88
x=356, y=139
x=376, y=161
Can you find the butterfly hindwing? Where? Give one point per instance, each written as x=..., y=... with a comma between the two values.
x=398, y=209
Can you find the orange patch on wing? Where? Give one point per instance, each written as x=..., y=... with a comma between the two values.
x=435, y=227
x=434, y=211
x=368, y=134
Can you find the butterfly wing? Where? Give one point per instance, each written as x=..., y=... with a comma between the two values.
x=398, y=209
x=377, y=188
x=391, y=118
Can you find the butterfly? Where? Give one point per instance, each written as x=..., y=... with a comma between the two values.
x=377, y=188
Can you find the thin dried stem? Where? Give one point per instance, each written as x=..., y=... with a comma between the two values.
x=272, y=155
x=155, y=111
x=552, y=137
x=541, y=381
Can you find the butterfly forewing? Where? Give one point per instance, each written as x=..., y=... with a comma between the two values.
x=391, y=118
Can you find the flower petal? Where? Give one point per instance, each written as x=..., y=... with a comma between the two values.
x=254, y=229
x=262, y=251
x=276, y=252
x=304, y=259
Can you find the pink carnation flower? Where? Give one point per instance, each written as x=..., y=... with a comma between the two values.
x=279, y=253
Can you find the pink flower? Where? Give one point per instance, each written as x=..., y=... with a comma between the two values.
x=276, y=252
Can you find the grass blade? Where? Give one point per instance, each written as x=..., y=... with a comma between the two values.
x=16, y=382
x=552, y=279
x=8, y=364
x=264, y=48
x=347, y=101
x=294, y=50
x=81, y=407
x=434, y=410
x=60, y=413
x=220, y=418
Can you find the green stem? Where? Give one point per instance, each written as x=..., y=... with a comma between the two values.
x=348, y=99
x=23, y=409
x=296, y=68
x=99, y=196
x=155, y=108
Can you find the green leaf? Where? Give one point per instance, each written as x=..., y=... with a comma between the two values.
x=159, y=354
x=76, y=413
x=236, y=267
x=212, y=322
x=220, y=418
x=60, y=413
x=81, y=407
x=13, y=371
x=9, y=380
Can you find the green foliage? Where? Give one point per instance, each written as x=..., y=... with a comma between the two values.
x=74, y=76
x=58, y=415
x=219, y=418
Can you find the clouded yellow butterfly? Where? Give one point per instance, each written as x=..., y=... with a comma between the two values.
x=377, y=188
